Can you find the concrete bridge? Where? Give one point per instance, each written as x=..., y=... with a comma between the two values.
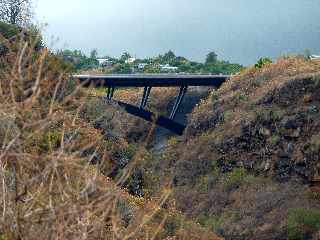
x=111, y=82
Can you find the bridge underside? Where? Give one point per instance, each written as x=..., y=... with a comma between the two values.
x=148, y=81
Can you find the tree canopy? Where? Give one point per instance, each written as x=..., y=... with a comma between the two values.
x=212, y=57
x=17, y=12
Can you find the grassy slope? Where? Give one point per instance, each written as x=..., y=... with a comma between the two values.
x=251, y=154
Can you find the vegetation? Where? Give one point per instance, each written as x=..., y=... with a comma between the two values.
x=152, y=65
x=262, y=62
x=79, y=60
x=303, y=224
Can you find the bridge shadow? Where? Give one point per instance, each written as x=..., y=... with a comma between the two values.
x=162, y=121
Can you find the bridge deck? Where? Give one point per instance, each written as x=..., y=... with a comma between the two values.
x=151, y=80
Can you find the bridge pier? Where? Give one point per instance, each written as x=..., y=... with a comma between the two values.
x=110, y=93
x=145, y=97
x=177, y=104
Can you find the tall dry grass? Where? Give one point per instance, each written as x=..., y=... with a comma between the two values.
x=48, y=188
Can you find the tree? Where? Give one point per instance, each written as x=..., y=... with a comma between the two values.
x=94, y=54
x=212, y=57
x=169, y=56
x=17, y=12
x=307, y=54
x=125, y=56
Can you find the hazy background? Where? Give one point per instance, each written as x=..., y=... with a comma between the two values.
x=238, y=30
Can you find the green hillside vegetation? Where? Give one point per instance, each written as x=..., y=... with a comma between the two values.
x=82, y=62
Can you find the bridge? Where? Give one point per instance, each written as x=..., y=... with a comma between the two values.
x=111, y=82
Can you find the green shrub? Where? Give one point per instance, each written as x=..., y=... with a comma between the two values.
x=316, y=80
x=240, y=97
x=51, y=139
x=8, y=30
x=214, y=95
x=238, y=177
x=262, y=62
x=32, y=35
x=226, y=116
x=208, y=181
x=303, y=223
x=235, y=178
x=213, y=223
x=130, y=151
x=172, y=224
x=274, y=139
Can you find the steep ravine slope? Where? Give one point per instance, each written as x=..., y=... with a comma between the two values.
x=249, y=165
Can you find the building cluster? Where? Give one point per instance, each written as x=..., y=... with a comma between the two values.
x=105, y=62
x=109, y=63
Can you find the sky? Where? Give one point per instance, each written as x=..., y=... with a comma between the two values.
x=239, y=31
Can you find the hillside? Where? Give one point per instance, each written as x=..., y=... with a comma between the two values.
x=248, y=164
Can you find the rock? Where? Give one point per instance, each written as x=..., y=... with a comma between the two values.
x=284, y=154
x=296, y=133
x=293, y=133
x=288, y=123
x=290, y=148
x=265, y=132
x=268, y=99
x=312, y=109
x=283, y=166
x=267, y=166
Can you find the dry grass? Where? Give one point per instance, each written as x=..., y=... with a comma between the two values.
x=241, y=96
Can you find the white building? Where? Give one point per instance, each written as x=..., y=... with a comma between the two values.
x=142, y=66
x=130, y=60
x=104, y=61
x=169, y=68
x=315, y=57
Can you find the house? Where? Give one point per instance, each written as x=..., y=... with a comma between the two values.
x=130, y=60
x=168, y=68
x=142, y=66
x=104, y=62
x=315, y=57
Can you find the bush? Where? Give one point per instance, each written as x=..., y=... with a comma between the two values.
x=8, y=30
x=213, y=223
x=235, y=178
x=303, y=224
x=262, y=62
